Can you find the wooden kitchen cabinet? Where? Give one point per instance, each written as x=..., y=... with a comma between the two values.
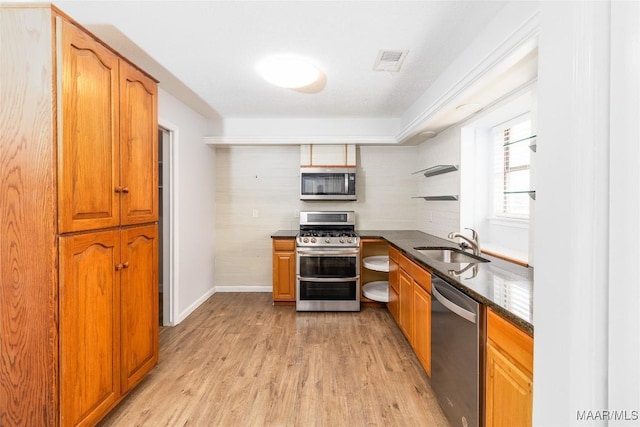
x=89, y=326
x=509, y=374
x=284, y=270
x=138, y=146
x=88, y=170
x=372, y=247
x=328, y=155
x=139, y=288
x=80, y=327
x=421, y=322
x=107, y=342
x=411, y=285
x=108, y=153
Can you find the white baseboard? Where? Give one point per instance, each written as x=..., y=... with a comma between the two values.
x=195, y=305
x=212, y=291
x=243, y=289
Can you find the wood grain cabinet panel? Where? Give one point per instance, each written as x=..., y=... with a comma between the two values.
x=284, y=270
x=88, y=156
x=406, y=304
x=394, y=298
x=89, y=326
x=139, y=289
x=410, y=303
x=28, y=231
x=509, y=374
x=422, y=326
x=138, y=146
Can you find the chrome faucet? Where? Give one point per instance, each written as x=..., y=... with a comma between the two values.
x=474, y=241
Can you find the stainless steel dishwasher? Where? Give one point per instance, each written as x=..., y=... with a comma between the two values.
x=455, y=349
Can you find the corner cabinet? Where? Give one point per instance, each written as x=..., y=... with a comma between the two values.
x=410, y=304
x=374, y=270
x=284, y=270
x=79, y=301
x=509, y=374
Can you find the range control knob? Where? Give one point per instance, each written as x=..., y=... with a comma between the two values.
x=349, y=240
x=306, y=240
x=313, y=240
x=327, y=240
x=341, y=240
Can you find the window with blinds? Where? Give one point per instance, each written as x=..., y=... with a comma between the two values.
x=511, y=294
x=512, y=168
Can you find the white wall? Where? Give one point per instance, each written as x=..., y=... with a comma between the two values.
x=194, y=215
x=624, y=293
x=439, y=217
x=265, y=179
x=586, y=298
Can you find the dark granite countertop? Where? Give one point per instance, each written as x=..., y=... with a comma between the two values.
x=504, y=286
x=285, y=234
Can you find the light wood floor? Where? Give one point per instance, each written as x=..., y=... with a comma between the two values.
x=240, y=361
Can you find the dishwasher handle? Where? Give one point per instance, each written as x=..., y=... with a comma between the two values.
x=465, y=314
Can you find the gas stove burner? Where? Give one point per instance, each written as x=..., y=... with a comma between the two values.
x=325, y=233
x=329, y=229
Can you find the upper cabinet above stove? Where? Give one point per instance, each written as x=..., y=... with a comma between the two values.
x=328, y=155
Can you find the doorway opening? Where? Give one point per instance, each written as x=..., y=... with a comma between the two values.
x=165, y=226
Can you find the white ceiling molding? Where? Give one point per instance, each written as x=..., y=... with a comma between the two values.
x=519, y=43
x=298, y=140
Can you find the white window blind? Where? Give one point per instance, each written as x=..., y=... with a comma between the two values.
x=511, y=294
x=512, y=168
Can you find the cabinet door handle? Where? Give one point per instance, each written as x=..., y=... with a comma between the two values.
x=125, y=265
x=125, y=189
x=118, y=267
x=118, y=189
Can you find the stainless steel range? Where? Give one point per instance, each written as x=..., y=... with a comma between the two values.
x=328, y=262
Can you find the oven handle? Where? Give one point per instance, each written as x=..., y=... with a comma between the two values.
x=316, y=252
x=323, y=279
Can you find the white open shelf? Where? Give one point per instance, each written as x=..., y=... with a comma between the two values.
x=377, y=291
x=377, y=263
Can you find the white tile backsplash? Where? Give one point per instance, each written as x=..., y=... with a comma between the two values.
x=439, y=217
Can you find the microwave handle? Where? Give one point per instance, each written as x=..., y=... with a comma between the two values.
x=346, y=183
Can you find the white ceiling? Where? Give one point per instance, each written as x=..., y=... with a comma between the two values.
x=212, y=48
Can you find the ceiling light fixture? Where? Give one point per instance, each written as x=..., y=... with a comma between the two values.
x=288, y=71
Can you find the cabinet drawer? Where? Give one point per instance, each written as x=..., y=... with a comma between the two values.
x=419, y=274
x=394, y=254
x=510, y=339
x=284, y=244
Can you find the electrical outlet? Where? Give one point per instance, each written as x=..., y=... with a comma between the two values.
x=255, y=213
x=296, y=213
x=430, y=216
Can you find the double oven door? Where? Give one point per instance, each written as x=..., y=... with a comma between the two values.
x=328, y=279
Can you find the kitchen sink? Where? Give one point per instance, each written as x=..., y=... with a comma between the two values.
x=449, y=255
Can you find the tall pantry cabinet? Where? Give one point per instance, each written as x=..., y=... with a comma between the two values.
x=78, y=222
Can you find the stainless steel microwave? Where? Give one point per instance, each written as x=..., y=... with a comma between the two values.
x=318, y=183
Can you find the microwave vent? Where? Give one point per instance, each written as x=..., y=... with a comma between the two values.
x=390, y=60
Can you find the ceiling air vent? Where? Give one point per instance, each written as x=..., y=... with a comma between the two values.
x=390, y=60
